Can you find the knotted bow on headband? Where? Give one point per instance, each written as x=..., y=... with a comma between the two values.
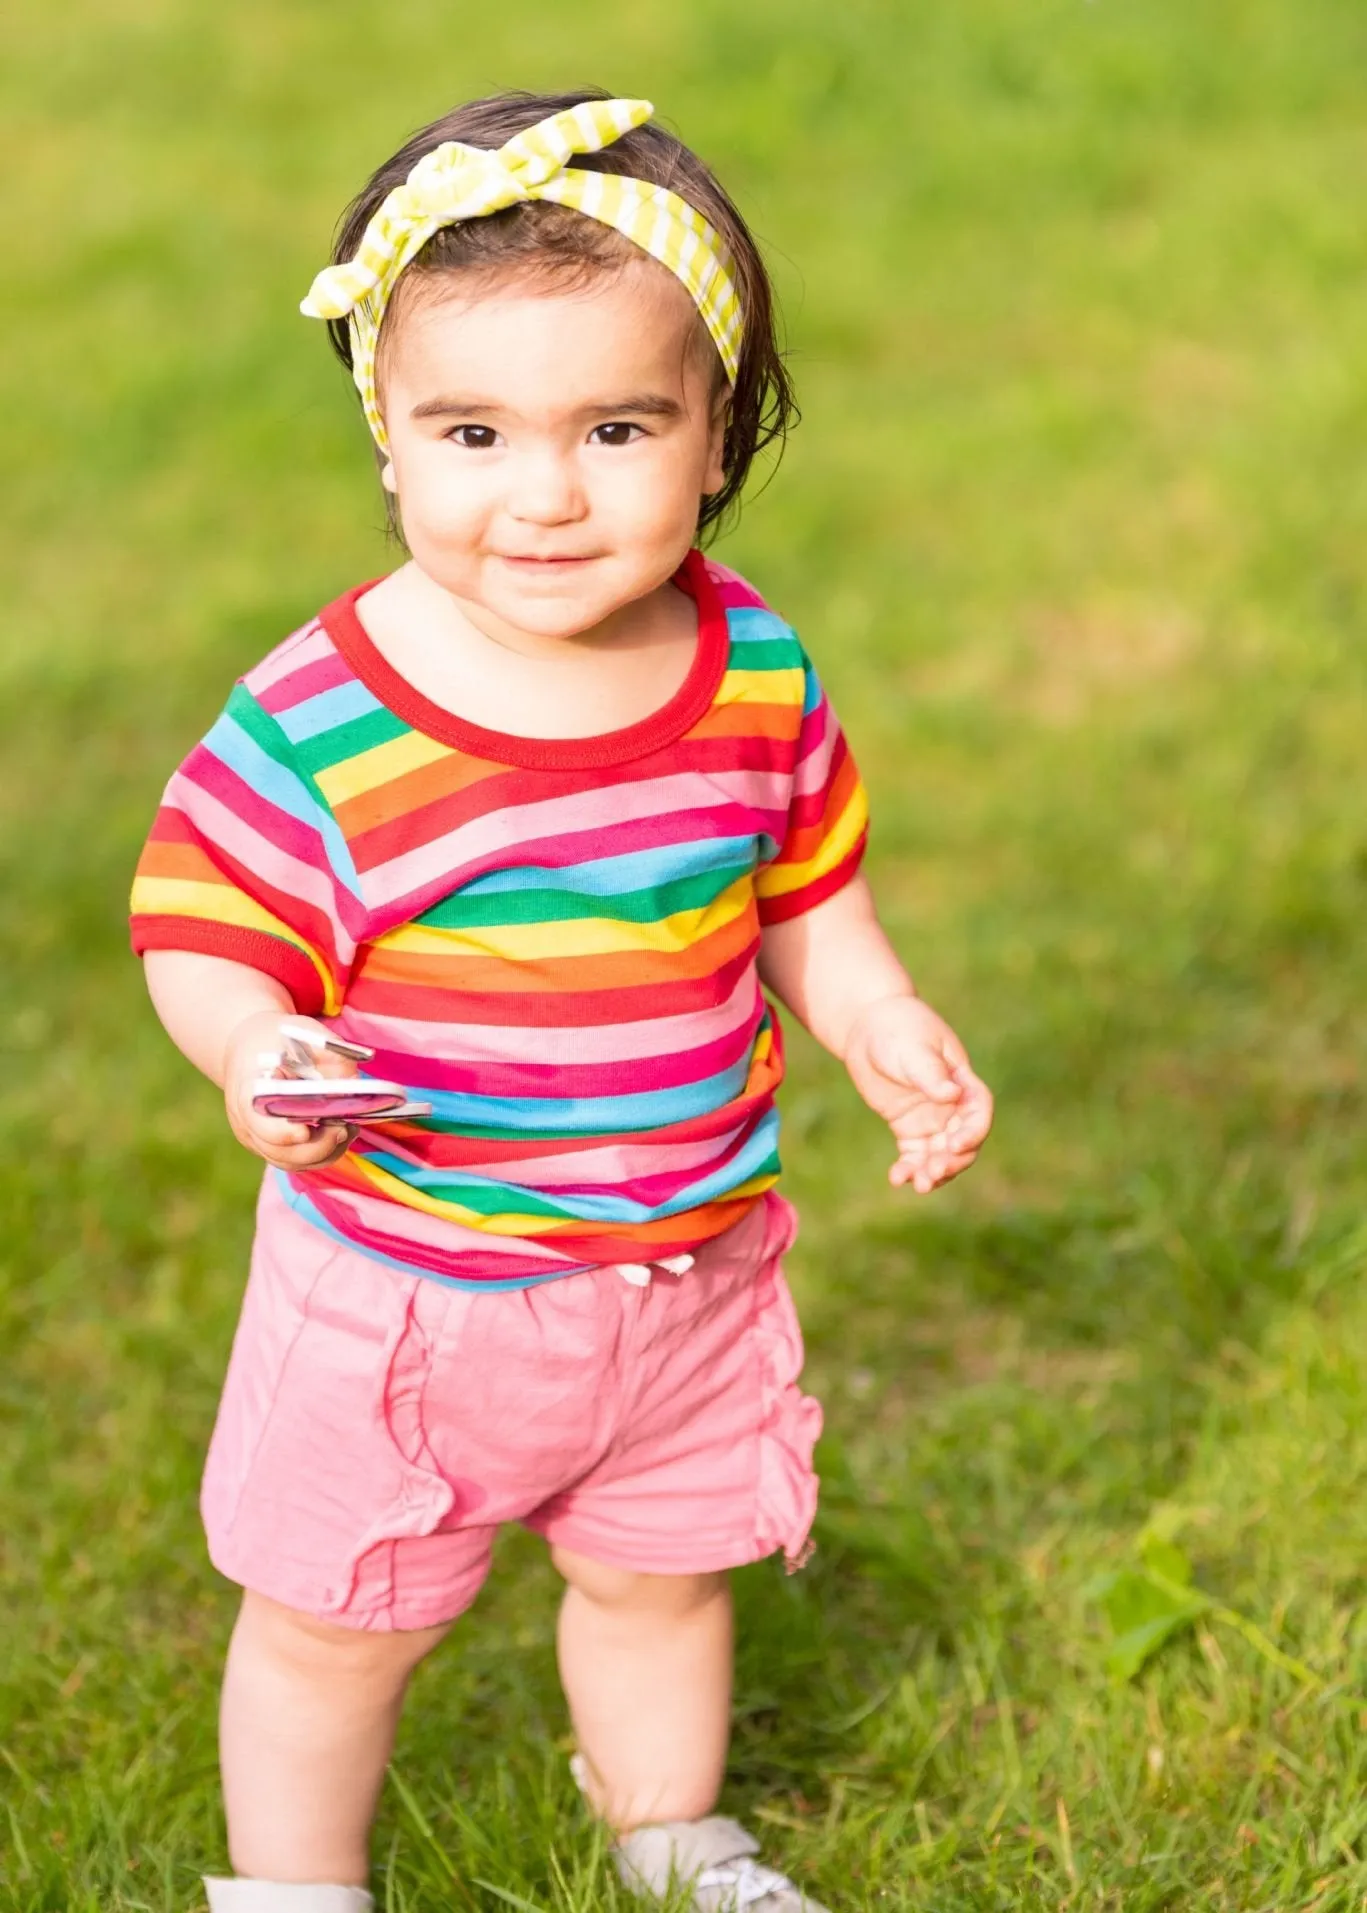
x=455, y=182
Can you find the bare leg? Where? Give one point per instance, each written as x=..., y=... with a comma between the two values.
x=306, y=1724
x=646, y=1664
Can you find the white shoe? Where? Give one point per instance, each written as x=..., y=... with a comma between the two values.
x=716, y=1857
x=273, y=1896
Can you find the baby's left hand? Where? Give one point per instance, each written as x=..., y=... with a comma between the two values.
x=910, y=1067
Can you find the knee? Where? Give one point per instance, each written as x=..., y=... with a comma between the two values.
x=308, y=1648
x=621, y=1591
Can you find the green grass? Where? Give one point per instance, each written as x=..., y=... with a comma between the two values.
x=1075, y=526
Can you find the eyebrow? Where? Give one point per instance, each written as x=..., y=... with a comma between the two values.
x=639, y=404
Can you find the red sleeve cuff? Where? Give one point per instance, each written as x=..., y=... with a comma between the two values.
x=795, y=903
x=256, y=948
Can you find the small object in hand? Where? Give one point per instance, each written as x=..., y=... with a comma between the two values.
x=303, y=1044
x=315, y=1099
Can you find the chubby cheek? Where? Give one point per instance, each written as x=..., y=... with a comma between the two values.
x=443, y=509
x=645, y=502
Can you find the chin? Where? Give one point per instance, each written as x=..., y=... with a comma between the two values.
x=545, y=616
x=557, y=606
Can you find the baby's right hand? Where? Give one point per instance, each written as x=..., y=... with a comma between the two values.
x=288, y=1145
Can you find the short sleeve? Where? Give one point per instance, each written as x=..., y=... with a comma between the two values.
x=828, y=816
x=245, y=861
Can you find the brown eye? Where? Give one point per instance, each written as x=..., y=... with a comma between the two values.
x=616, y=433
x=475, y=438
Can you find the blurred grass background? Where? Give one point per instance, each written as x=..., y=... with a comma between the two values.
x=1075, y=527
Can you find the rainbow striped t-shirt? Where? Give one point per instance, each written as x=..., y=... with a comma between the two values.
x=552, y=941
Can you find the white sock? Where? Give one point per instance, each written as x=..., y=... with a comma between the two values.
x=271, y=1896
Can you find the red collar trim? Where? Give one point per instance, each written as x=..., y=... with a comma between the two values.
x=662, y=727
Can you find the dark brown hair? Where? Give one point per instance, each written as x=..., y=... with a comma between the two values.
x=537, y=237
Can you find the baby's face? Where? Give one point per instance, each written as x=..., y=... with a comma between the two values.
x=550, y=450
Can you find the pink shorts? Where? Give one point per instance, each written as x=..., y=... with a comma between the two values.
x=376, y=1428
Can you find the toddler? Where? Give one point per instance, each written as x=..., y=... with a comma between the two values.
x=533, y=819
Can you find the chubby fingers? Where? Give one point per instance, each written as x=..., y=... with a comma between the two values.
x=928, y=1171
x=964, y=1124
x=291, y=1145
x=971, y=1123
x=918, y=1064
x=303, y=1145
x=940, y=1152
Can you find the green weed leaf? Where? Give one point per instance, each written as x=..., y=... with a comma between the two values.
x=1149, y=1604
x=1145, y=1610
x=1164, y=1560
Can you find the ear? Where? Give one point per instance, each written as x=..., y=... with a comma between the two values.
x=387, y=478
x=714, y=477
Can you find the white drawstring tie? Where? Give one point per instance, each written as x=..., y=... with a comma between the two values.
x=639, y=1274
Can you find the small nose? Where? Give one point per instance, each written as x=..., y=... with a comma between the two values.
x=546, y=490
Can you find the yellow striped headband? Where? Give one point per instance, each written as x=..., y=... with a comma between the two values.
x=456, y=182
